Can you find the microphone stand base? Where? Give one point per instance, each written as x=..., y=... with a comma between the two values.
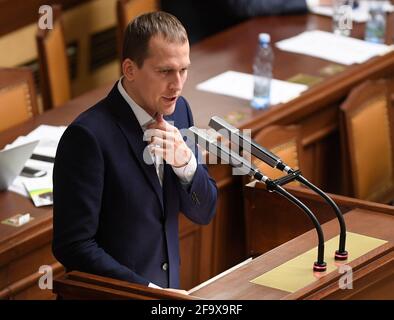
x=319, y=267
x=341, y=255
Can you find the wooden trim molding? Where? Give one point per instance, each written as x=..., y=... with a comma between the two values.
x=14, y=288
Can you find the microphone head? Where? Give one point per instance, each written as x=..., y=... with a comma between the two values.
x=210, y=141
x=218, y=123
x=205, y=135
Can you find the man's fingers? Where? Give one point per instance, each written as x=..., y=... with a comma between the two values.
x=159, y=118
x=168, y=145
x=159, y=123
x=150, y=133
x=158, y=151
x=166, y=135
x=162, y=143
x=162, y=124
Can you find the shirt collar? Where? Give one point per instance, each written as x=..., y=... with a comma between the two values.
x=142, y=116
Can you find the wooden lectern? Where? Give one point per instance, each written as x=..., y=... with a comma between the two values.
x=277, y=232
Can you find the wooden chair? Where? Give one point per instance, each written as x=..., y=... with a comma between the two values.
x=54, y=65
x=127, y=10
x=285, y=142
x=18, y=101
x=390, y=85
x=367, y=142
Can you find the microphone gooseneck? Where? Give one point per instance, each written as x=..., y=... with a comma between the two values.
x=245, y=142
x=210, y=144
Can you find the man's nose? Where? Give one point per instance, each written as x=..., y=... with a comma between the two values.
x=176, y=82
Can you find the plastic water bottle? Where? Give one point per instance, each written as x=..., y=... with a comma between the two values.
x=376, y=24
x=262, y=71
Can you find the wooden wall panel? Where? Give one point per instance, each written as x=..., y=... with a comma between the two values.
x=190, y=243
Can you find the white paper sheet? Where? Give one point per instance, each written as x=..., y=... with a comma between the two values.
x=49, y=137
x=336, y=48
x=240, y=85
x=359, y=14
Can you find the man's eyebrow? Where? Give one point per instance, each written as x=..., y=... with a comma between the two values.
x=164, y=67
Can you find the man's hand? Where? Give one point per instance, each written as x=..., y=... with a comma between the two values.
x=166, y=141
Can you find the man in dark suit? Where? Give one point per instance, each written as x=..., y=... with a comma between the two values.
x=203, y=18
x=123, y=171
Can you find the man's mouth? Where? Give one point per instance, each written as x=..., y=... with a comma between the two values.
x=170, y=99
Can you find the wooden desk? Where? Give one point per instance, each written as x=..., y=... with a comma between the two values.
x=24, y=249
x=222, y=243
x=277, y=232
x=373, y=273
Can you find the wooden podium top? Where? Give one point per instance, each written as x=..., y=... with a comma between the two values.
x=237, y=285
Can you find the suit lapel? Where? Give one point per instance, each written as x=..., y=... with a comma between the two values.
x=131, y=129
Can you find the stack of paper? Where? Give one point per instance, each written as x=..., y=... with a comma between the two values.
x=359, y=14
x=240, y=85
x=39, y=189
x=326, y=45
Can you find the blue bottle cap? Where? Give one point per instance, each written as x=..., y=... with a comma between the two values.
x=264, y=38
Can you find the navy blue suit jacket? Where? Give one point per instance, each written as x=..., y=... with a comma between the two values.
x=111, y=215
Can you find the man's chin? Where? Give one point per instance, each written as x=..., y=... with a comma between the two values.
x=168, y=109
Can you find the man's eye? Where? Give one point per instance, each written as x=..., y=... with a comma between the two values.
x=165, y=71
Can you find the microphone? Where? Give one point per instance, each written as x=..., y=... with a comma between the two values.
x=212, y=145
x=274, y=161
x=237, y=137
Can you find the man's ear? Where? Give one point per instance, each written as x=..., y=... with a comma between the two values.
x=129, y=69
